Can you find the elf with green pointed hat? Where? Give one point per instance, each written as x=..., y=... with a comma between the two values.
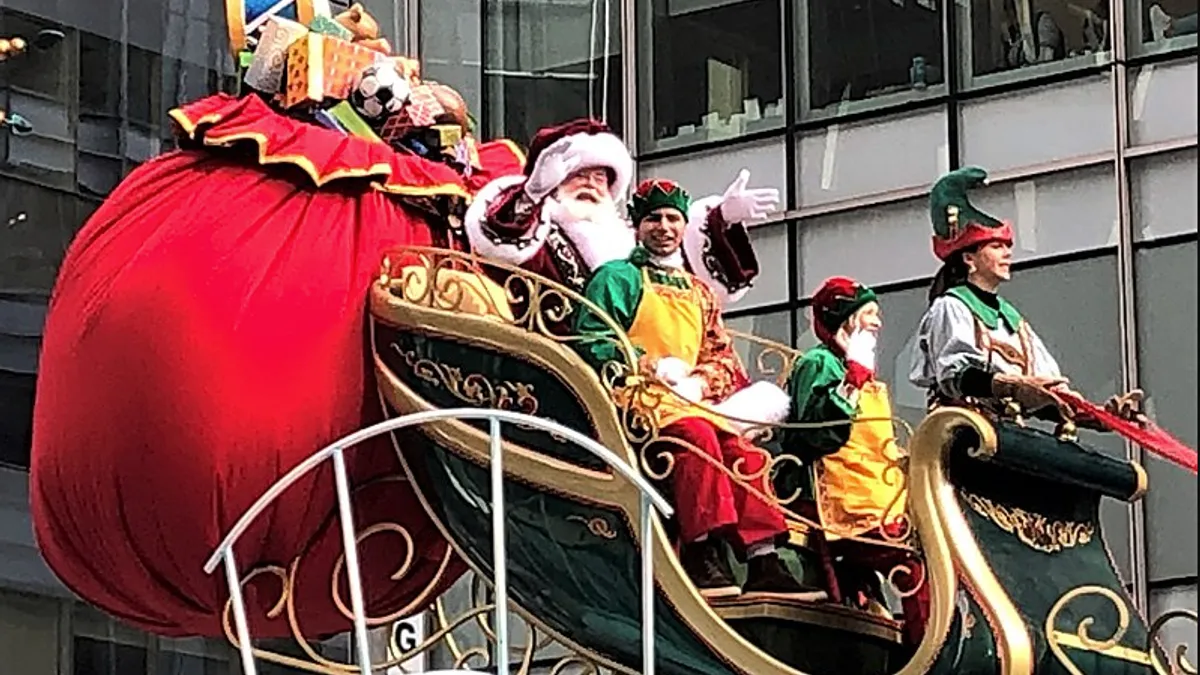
x=673, y=318
x=974, y=347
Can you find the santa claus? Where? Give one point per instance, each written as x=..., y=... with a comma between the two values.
x=561, y=219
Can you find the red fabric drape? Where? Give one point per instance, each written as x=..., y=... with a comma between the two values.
x=205, y=335
x=1150, y=437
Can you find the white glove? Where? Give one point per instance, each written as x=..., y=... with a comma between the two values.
x=739, y=204
x=550, y=170
x=860, y=349
x=672, y=370
x=690, y=389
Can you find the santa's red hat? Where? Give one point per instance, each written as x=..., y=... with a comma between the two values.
x=594, y=143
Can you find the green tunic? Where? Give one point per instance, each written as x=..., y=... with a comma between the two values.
x=813, y=386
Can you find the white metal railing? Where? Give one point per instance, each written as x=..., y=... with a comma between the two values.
x=335, y=452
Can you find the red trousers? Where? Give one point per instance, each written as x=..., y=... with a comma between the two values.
x=707, y=498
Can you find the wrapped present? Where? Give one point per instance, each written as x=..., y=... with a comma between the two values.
x=327, y=26
x=410, y=68
x=350, y=120
x=270, y=61
x=322, y=67
x=245, y=18
x=421, y=112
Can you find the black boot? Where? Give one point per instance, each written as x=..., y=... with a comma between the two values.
x=708, y=568
x=768, y=575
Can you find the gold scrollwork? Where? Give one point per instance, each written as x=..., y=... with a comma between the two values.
x=541, y=307
x=286, y=603
x=472, y=388
x=482, y=656
x=597, y=526
x=1081, y=639
x=1034, y=530
x=1180, y=664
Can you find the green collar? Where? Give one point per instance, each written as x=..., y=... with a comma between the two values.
x=659, y=275
x=989, y=316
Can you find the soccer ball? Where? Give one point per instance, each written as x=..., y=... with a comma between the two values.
x=380, y=91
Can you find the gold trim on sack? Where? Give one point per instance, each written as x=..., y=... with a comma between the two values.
x=1034, y=530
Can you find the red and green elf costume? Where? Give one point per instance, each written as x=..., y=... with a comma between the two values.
x=674, y=319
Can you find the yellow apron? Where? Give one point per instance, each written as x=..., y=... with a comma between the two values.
x=669, y=322
x=856, y=490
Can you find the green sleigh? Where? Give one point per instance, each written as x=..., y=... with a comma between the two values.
x=1006, y=518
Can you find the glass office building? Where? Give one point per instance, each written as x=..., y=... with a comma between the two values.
x=1084, y=112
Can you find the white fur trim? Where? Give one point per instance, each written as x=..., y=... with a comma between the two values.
x=672, y=369
x=671, y=262
x=597, y=242
x=761, y=402
x=695, y=239
x=477, y=234
x=604, y=150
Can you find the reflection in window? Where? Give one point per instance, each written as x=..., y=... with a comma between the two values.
x=1034, y=37
x=1162, y=25
x=1166, y=306
x=16, y=410
x=550, y=62
x=871, y=51
x=713, y=70
x=100, y=657
x=450, y=45
x=40, y=71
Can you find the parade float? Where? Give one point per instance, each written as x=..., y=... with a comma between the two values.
x=281, y=398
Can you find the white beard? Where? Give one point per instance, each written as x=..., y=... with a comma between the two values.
x=596, y=229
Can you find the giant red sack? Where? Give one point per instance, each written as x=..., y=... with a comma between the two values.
x=205, y=335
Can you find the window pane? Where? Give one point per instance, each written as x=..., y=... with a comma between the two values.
x=771, y=286
x=450, y=34
x=1005, y=40
x=16, y=400
x=1164, y=194
x=1162, y=104
x=708, y=70
x=36, y=224
x=550, y=62
x=97, y=657
x=1157, y=26
x=28, y=634
x=855, y=55
x=1041, y=125
x=1166, y=312
x=877, y=245
x=1056, y=213
x=39, y=71
x=711, y=172
x=846, y=161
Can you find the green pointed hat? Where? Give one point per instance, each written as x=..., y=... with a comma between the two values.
x=957, y=223
x=654, y=194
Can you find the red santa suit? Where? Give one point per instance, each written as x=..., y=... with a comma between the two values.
x=520, y=221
